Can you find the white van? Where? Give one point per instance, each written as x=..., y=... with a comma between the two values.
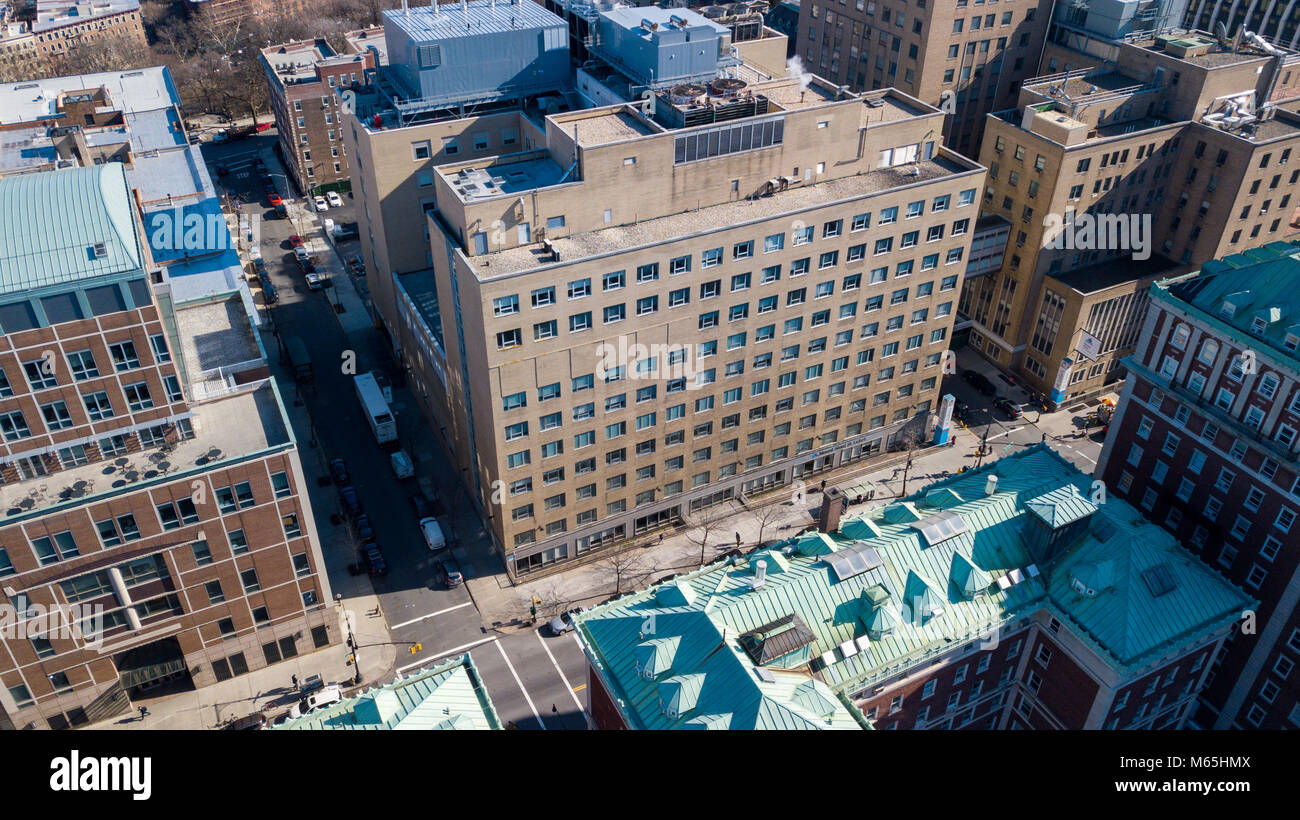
x=321, y=697
x=433, y=536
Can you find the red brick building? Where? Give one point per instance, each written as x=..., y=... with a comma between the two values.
x=156, y=532
x=1204, y=441
x=304, y=80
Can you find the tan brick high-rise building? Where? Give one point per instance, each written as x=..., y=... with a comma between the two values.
x=629, y=313
x=1179, y=134
x=968, y=57
x=156, y=530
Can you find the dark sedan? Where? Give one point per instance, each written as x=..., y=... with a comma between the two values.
x=1009, y=407
x=339, y=472
x=978, y=381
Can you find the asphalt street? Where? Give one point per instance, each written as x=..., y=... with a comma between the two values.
x=414, y=595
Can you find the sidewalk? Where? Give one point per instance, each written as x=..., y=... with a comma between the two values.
x=505, y=607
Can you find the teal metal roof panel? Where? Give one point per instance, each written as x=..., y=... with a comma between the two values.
x=1060, y=506
x=450, y=695
x=52, y=222
x=966, y=585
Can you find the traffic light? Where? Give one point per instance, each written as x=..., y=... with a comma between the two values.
x=416, y=648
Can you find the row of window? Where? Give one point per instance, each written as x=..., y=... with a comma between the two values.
x=41, y=373
x=98, y=406
x=117, y=530
x=675, y=362
x=582, y=288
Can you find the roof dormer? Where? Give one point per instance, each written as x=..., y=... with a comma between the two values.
x=1234, y=302
x=655, y=656
x=679, y=695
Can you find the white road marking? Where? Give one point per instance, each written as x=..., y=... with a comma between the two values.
x=430, y=615
x=558, y=671
x=432, y=658
x=1004, y=433
x=520, y=684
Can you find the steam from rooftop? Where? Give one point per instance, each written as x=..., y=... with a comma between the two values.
x=794, y=67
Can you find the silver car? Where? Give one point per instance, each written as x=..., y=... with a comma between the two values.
x=564, y=622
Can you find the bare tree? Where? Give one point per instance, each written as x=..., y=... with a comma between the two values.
x=911, y=440
x=623, y=564
x=767, y=511
x=702, y=526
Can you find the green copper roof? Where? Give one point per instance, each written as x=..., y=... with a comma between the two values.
x=52, y=221
x=1262, y=286
x=1060, y=506
x=448, y=696
x=969, y=579
x=921, y=601
x=942, y=499
x=711, y=682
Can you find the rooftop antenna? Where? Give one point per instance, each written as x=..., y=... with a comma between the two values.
x=406, y=12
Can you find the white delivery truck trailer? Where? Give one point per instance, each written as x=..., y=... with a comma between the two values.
x=376, y=410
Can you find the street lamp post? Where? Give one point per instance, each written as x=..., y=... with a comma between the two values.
x=352, y=643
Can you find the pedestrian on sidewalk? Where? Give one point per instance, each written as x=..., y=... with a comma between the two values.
x=144, y=712
x=295, y=682
x=661, y=538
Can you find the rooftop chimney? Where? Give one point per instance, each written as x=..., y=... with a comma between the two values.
x=760, y=572
x=833, y=504
x=991, y=486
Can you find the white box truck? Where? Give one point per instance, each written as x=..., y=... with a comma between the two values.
x=376, y=410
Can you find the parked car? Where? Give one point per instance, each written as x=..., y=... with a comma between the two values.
x=374, y=560
x=1008, y=406
x=978, y=381
x=295, y=241
x=321, y=204
x=564, y=621
x=314, y=280
x=364, y=530
x=220, y=137
x=434, y=538
x=316, y=700
x=263, y=126
x=275, y=199
x=402, y=466
x=257, y=720
x=454, y=576
x=350, y=501
x=961, y=411
x=421, y=505
x=334, y=199
x=268, y=292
